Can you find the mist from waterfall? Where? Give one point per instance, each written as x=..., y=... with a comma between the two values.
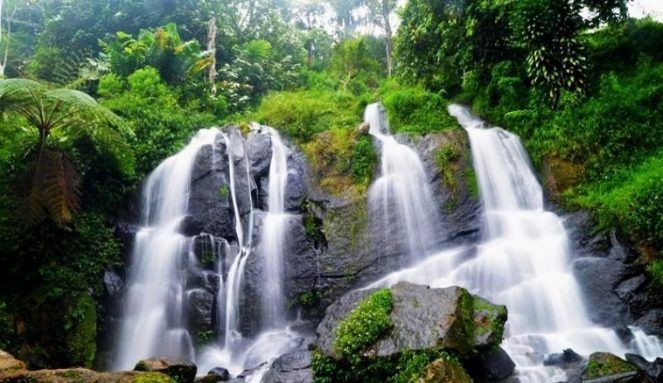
x=400, y=199
x=523, y=261
x=153, y=323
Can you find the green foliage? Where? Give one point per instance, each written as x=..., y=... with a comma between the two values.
x=415, y=110
x=162, y=49
x=160, y=122
x=364, y=160
x=6, y=327
x=364, y=325
x=655, y=271
x=555, y=58
x=354, y=65
x=80, y=334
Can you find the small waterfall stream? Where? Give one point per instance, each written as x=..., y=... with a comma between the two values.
x=154, y=320
x=523, y=261
x=401, y=197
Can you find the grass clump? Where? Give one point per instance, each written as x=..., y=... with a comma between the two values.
x=415, y=110
x=365, y=324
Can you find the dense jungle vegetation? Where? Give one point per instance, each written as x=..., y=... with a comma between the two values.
x=95, y=93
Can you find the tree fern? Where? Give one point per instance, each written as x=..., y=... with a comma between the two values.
x=62, y=115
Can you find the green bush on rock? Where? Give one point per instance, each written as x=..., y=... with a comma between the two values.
x=365, y=324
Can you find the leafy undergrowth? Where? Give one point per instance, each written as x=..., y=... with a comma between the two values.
x=632, y=198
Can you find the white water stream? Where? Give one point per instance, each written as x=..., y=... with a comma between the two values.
x=401, y=198
x=523, y=262
x=154, y=322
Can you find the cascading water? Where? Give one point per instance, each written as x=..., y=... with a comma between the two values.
x=237, y=353
x=522, y=262
x=400, y=199
x=154, y=322
x=275, y=226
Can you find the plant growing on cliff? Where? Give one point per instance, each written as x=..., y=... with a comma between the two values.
x=364, y=325
x=61, y=116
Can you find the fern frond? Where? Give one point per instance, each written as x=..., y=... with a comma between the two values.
x=54, y=189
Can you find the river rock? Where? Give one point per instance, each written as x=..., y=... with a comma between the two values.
x=297, y=184
x=423, y=319
x=181, y=370
x=220, y=374
x=497, y=365
x=259, y=151
x=565, y=357
x=294, y=367
x=654, y=370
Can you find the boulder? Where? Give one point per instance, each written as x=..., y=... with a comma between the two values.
x=497, y=365
x=603, y=365
x=422, y=319
x=181, y=371
x=220, y=374
x=15, y=371
x=651, y=322
x=189, y=226
x=565, y=357
x=9, y=364
x=113, y=283
x=297, y=184
x=654, y=370
x=597, y=278
x=294, y=367
x=259, y=151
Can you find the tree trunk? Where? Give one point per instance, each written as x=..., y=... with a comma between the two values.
x=211, y=48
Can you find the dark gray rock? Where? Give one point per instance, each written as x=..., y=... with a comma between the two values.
x=259, y=151
x=597, y=278
x=209, y=196
x=300, y=272
x=651, y=322
x=298, y=182
x=189, y=226
x=200, y=310
x=497, y=365
x=113, y=283
x=628, y=288
x=654, y=370
x=294, y=367
x=221, y=374
x=566, y=357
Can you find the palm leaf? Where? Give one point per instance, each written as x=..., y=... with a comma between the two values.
x=54, y=189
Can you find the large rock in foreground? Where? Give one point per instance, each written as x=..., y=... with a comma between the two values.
x=374, y=335
x=14, y=371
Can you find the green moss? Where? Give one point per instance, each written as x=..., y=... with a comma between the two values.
x=153, y=377
x=604, y=364
x=204, y=337
x=224, y=192
x=655, y=271
x=141, y=366
x=81, y=327
x=308, y=299
x=445, y=157
x=489, y=318
x=365, y=324
x=472, y=183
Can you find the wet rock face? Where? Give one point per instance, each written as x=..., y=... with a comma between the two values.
x=616, y=289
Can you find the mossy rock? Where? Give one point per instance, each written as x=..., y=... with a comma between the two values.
x=445, y=370
x=181, y=371
x=489, y=320
x=82, y=375
x=603, y=364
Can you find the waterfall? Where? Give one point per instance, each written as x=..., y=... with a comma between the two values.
x=237, y=353
x=273, y=236
x=523, y=261
x=400, y=199
x=154, y=323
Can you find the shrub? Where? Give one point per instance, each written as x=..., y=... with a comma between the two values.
x=416, y=110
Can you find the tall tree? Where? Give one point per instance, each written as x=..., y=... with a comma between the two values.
x=380, y=12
